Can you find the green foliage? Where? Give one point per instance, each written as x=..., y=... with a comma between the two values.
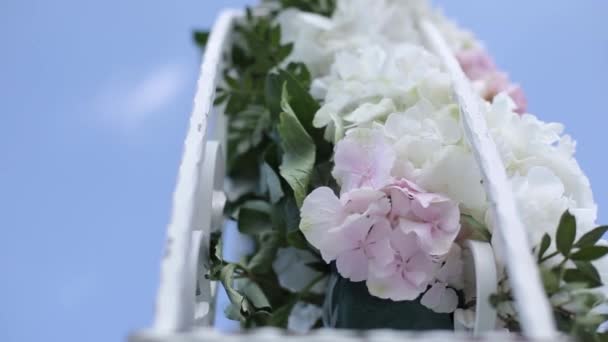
x=592, y=237
x=200, y=38
x=323, y=7
x=299, y=158
x=254, y=217
x=566, y=232
x=545, y=243
x=569, y=278
x=271, y=159
x=474, y=229
x=247, y=299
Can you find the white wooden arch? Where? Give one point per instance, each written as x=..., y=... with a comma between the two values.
x=198, y=203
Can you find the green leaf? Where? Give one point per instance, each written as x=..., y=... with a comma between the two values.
x=200, y=38
x=322, y=177
x=300, y=72
x=236, y=298
x=296, y=239
x=590, y=271
x=585, y=276
x=284, y=51
x=566, y=233
x=545, y=243
x=319, y=266
x=267, y=246
x=280, y=316
x=254, y=218
x=550, y=280
x=589, y=253
x=321, y=7
x=254, y=294
x=246, y=129
x=243, y=294
x=475, y=229
x=273, y=183
x=233, y=312
x=299, y=151
x=590, y=238
x=273, y=88
x=303, y=103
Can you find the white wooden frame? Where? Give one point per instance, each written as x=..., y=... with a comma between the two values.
x=198, y=202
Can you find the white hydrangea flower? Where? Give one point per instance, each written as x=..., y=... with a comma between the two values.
x=527, y=146
x=308, y=33
x=371, y=70
x=367, y=84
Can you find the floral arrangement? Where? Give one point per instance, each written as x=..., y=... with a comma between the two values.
x=346, y=157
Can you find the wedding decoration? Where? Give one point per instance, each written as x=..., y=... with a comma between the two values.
x=348, y=167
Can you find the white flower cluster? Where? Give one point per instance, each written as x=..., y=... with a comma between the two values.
x=372, y=69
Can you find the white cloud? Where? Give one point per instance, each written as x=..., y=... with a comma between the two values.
x=130, y=103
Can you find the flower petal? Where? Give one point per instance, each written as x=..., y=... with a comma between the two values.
x=440, y=299
x=353, y=265
x=320, y=212
x=363, y=159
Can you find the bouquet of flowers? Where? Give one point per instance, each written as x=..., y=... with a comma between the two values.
x=349, y=169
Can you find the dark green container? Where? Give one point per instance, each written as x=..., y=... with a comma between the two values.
x=349, y=305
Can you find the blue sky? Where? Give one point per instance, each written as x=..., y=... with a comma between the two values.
x=94, y=102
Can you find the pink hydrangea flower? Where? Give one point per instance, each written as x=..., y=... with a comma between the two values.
x=479, y=66
x=475, y=63
x=386, y=231
x=409, y=273
x=442, y=297
x=353, y=231
x=363, y=159
x=433, y=218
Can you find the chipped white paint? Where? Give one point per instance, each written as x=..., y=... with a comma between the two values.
x=175, y=302
x=531, y=301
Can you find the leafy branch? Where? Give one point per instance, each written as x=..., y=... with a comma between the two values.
x=275, y=156
x=569, y=278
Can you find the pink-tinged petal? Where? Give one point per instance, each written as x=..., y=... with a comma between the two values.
x=353, y=265
x=517, y=95
x=364, y=158
x=404, y=244
x=392, y=287
x=440, y=299
x=380, y=253
x=359, y=201
x=378, y=244
x=410, y=186
x=420, y=269
x=430, y=239
x=356, y=231
x=452, y=271
x=425, y=199
x=400, y=202
x=380, y=231
x=345, y=237
x=495, y=82
x=475, y=63
x=320, y=212
x=421, y=230
x=450, y=218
